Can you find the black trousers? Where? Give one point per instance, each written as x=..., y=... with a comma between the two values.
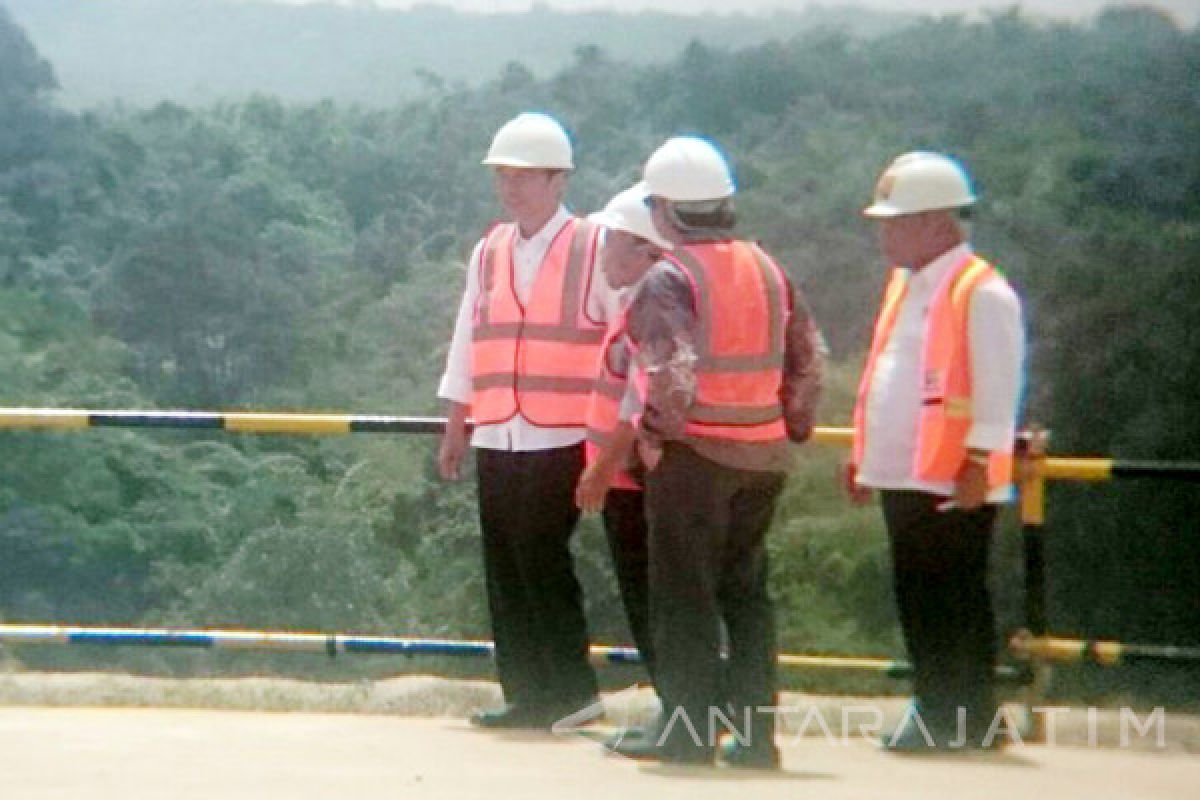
x=939, y=562
x=625, y=526
x=527, y=513
x=708, y=586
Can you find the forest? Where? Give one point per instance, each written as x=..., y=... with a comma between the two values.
x=268, y=254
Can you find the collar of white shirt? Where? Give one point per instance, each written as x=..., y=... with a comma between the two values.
x=930, y=276
x=543, y=238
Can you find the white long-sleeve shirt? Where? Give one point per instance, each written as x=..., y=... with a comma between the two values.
x=997, y=337
x=603, y=304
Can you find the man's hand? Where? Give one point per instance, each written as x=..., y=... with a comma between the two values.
x=649, y=454
x=971, y=486
x=859, y=495
x=800, y=429
x=593, y=487
x=453, y=447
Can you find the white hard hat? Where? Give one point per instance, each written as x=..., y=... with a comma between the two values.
x=688, y=169
x=628, y=212
x=531, y=140
x=921, y=181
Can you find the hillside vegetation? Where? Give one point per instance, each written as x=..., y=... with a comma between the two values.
x=270, y=255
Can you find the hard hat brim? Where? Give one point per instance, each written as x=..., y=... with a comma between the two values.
x=613, y=222
x=881, y=211
x=886, y=211
x=517, y=163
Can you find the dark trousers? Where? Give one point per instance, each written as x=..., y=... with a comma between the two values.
x=527, y=513
x=625, y=526
x=939, y=564
x=708, y=577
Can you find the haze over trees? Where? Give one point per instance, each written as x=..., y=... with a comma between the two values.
x=190, y=52
x=263, y=254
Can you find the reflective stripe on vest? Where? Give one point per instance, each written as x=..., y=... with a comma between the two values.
x=741, y=316
x=538, y=359
x=945, y=417
x=604, y=408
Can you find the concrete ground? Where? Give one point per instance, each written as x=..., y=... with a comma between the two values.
x=130, y=753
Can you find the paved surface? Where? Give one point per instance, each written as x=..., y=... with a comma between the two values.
x=125, y=754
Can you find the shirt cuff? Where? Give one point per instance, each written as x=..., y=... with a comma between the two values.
x=458, y=391
x=990, y=436
x=631, y=405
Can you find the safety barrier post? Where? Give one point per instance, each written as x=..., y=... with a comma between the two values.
x=1031, y=482
x=1031, y=486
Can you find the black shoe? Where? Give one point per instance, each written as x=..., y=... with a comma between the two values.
x=990, y=741
x=647, y=748
x=639, y=734
x=910, y=740
x=1023, y=730
x=511, y=718
x=913, y=734
x=996, y=744
x=916, y=733
x=743, y=756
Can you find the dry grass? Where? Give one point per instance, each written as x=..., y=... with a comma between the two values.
x=420, y=695
x=432, y=696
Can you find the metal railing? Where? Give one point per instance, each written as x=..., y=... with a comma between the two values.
x=1034, y=468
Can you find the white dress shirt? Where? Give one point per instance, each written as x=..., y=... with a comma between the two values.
x=996, y=333
x=517, y=433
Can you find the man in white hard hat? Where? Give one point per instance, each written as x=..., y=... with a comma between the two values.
x=612, y=482
x=933, y=432
x=521, y=364
x=732, y=365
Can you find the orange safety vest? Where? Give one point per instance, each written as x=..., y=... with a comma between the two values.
x=537, y=360
x=742, y=305
x=604, y=408
x=945, y=418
